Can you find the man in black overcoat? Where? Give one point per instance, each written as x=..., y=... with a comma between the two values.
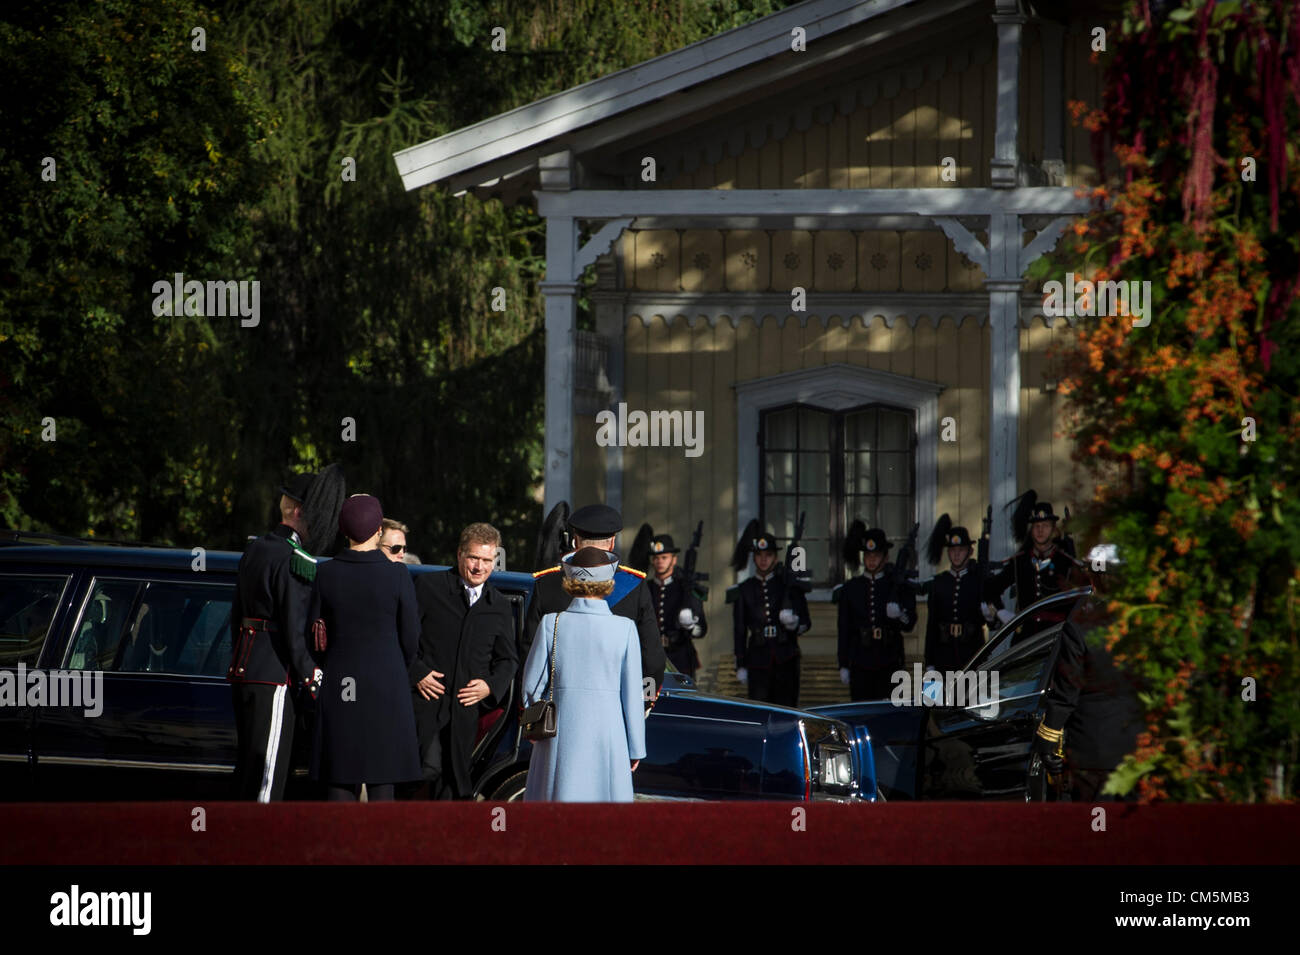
x=596, y=526
x=465, y=662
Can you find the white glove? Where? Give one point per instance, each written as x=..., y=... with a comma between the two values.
x=892, y=611
x=742, y=675
x=789, y=619
x=932, y=686
x=685, y=618
x=1004, y=616
x=988, y=611
x=696, y=630
x=844, y=675
x=317, y=678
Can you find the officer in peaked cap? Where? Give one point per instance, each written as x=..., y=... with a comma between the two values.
x=269, y=655
x=596, y=526
x=770, y=613
x=1039, y=569
x=873, y=615
x=679, y=612
x=954, y=627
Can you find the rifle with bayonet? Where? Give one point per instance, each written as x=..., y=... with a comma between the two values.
x=694, y=579
x=982, y=551
x=906, y=557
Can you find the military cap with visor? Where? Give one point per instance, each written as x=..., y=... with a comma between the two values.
x=596, y=521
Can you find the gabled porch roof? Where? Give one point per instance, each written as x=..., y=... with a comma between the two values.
x=669, y=92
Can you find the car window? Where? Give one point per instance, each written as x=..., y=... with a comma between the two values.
x=1021, y=671
x=27, y=606
x=1004, y=641
x=180, y=628
x=103, y=620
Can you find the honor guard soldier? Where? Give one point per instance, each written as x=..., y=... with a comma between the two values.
x=1039, y=569
x=954, y=627
x=875, y=610
x=1092, y=716
x=770, y=613
x=595, y=526
x=679, y=611
x=269, y=653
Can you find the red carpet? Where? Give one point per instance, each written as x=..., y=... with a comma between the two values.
x=672, y=833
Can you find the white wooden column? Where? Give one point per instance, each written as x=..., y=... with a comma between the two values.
x=1004, y=401
x=1006, y=156
x=560, y=289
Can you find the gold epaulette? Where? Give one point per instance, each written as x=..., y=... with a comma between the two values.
x=632, y=570
x=543, y=573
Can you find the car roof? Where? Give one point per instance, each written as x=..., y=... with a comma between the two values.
x=176, y=558
x=103, y=555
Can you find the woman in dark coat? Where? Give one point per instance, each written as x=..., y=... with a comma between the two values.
x=365, y=727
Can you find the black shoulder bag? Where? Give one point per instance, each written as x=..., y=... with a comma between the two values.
x=538, y=720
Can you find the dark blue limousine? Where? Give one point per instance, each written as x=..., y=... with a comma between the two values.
x=151, y=627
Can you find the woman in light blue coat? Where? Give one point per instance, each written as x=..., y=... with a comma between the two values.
x=600, y=715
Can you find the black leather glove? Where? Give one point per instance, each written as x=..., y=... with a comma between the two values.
x=1047, y=744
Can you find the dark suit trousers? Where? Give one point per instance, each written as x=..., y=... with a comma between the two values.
x=435, y=761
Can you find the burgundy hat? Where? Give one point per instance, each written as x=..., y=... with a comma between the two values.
x=360, y=517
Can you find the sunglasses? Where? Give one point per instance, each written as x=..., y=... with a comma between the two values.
x=395, y=548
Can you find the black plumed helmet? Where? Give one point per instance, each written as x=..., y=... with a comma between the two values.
x=552, y=538
x=321, y=507
x=1022, y=507
x=745, y=546
x=852, y=550
x=938, y=539
x=638, y=554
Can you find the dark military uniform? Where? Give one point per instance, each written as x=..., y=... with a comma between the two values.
x=268, y=623
x=1091, y=706
x=764, y=647
x=631, y=599
x=870, y=641
x=1034, y=576
x=669, y=598
x=954, y=627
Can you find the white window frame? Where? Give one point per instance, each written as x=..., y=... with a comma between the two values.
x=838, y=387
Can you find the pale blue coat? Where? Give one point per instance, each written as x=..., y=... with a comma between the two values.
x=600, y=713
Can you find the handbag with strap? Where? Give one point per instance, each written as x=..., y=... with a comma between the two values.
x=538, y=720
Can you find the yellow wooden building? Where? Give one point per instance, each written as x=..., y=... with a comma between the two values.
x=809, y=236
